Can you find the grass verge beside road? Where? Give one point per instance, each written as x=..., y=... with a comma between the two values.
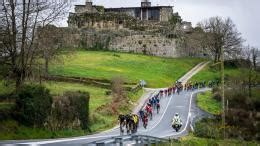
x=206, y=102
x=197, y=141
x=191, y=140
x=10, y=130
x=210, y=72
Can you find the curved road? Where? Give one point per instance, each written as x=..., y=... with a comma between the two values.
x=160, y=126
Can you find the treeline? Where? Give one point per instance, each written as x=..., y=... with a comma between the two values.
x=213, y=38
x=242, y=102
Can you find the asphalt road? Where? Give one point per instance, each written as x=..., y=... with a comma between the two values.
x=159, y=126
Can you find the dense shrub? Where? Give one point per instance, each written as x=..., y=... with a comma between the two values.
x=237, y=63
x=5, y=114
x=240, y=99
x=244, y=122
x=33, y=105
x=217, y=93
x=208, y=128
x=70, y=111
x=7, y=97
x=80, y=101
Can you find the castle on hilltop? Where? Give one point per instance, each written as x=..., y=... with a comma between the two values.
x=86, y=15
x=145, y=12
x=148, y=29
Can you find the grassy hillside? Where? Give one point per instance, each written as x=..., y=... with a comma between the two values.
x=99, y=121
x=97, y=95
x=206, y=102
x=211, y=73
x=158, y=72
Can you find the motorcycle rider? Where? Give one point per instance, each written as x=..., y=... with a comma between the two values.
x=176, y=121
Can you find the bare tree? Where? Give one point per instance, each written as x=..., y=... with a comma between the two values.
x=47, y=40
x=221, y=34
x=193, y=44
x=117, y=88
x=20, y=19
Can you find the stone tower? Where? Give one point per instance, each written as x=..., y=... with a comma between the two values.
x=145, y=3
x=89, y=5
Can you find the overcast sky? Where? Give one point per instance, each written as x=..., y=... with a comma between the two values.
x=244, y=13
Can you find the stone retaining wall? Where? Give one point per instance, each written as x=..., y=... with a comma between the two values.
x=147, y=43
x=155, y=45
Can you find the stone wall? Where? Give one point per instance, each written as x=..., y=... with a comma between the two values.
x=64, y=37
x=117, y=40
x=154, y=45
x=101, y=21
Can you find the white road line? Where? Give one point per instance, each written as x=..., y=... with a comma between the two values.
x=188, y=116
x=179, y=106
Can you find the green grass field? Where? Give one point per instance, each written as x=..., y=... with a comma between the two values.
x=209, y=73
x=197, y=141
x=191, y=140
x=97, y=95
x=99, y=121
x=158, y=72
x=208, y=104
